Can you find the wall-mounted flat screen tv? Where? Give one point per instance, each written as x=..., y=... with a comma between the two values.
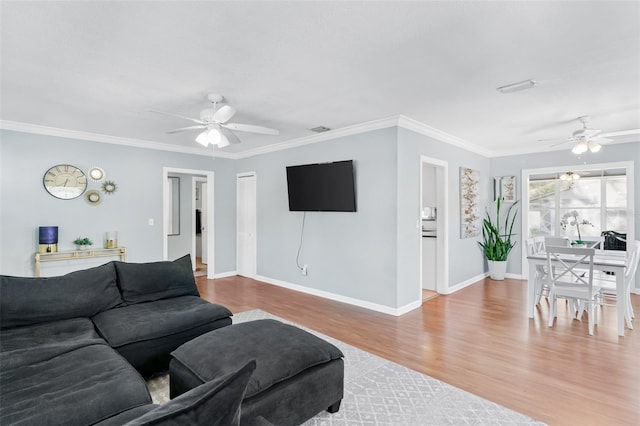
x=324, y=187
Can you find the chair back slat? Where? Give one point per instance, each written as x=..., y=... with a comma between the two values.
x=573, y=262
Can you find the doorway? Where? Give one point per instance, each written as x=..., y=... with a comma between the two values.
x=246, y=249
x=207, y=177
x=201, y=227
x=434, y=235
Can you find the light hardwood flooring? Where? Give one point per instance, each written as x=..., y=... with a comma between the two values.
x=480, y=339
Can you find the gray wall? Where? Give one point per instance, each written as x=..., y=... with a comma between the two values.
x=26, y=205
x=465, y=257
x=350, y=254
x=371, y=255
x=514, y=164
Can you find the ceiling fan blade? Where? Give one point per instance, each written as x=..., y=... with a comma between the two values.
x=224, y=114
x=622, y=133
x=195, y=120
x=231, y=137
x=553, y=140
x=251, y=128
x=560, y=143
x=183, y=129
x=602, y=140
x=590, y=133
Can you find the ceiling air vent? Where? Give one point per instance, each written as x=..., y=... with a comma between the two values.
x=320, y=129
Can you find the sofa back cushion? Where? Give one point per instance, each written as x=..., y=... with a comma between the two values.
x=146, y=282
x=85, y=293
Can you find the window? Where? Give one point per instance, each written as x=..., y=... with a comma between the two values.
x=599, y=197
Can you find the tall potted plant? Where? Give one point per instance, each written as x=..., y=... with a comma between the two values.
x=497, y=241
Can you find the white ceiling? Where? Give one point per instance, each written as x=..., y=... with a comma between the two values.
x=96, y=66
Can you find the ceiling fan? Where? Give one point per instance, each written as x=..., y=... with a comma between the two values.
x=587, y=139
x=215, y=122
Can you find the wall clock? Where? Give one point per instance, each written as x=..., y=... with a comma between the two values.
x=65, y=181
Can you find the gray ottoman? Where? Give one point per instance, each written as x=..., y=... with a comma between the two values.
x=297, y=374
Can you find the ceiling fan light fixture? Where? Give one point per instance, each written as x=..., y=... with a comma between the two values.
x=580, y=148
x=203, y=138
x=516, y=87
x=210, y=136
x=571, y=176
x=223, y=141
x=594, y=146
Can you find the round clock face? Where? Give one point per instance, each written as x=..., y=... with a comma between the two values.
x=65, y=181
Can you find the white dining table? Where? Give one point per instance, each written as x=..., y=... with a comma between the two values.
x=604, y=260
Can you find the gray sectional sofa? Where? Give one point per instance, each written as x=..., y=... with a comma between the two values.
x=74, y=349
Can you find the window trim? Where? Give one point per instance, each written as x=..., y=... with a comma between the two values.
x=524, y=190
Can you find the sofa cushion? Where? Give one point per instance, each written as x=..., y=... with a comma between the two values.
x=153, y=320
x=35, y=343
x=214, y=403
x=127, y=416
x=80, y=387
x=282, y=352
x=146, y=282
x=26, y=301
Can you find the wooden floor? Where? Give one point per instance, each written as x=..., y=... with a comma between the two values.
x=480, y=339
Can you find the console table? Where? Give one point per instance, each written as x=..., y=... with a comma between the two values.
x=79, y=254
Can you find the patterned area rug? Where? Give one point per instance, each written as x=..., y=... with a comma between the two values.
x=380, y=392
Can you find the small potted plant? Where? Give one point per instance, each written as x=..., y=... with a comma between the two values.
x=497, y=242
x=571, y=219
x=82, y=243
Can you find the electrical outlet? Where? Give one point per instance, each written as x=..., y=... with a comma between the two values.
x=304, y=270
x=151, y=221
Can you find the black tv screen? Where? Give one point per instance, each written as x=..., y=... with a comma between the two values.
x=324, y=187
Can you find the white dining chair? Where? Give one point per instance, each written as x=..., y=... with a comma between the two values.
x=557, y=241
x=607, y=285
x=536, y=245
x=570, y=276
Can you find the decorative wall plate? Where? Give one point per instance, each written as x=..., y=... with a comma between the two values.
x=93, y=197
x=109, y=187
x=96, y=174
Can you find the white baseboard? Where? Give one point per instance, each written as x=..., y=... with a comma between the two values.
x=466, y=283
x=514, y=276
x=225, y=274
x=363, y=303
x=344, y=299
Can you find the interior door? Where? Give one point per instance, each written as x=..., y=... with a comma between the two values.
x=203, y=223
x=246, y=225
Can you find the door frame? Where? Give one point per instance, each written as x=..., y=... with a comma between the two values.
x=255, y=246
x=194, y=183
x=209, y=175
x=442, y=226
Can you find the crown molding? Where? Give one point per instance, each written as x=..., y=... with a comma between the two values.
x=395, y=121
x=432, y=132
x=116, y=140
x=324, y=136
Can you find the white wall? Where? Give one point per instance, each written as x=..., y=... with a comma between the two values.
x=26, y=205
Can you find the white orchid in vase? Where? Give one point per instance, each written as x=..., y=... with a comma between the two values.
x=571, y=219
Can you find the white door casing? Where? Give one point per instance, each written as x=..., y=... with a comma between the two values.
x=246, y=224
x=442, y=227
x=209, y=216
x=204, y=230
